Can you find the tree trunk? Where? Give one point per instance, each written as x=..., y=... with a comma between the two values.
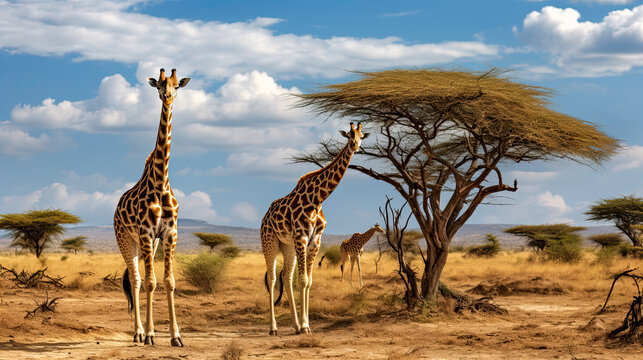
x=432, y=271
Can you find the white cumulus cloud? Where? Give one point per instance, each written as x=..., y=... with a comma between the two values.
x=109, y=30
x=630, y=158
x=18, y=142
x=245, y=212
x=584, y=48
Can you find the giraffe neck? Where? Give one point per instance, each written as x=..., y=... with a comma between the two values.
x=365, y=237
x=161, y=155
x=325, y=180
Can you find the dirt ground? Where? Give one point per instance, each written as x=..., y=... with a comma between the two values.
x=91, y=322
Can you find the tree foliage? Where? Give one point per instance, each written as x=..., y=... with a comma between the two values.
x=76, y=243
x=607, y=240
x=491, y=248
x=626, y=212
x=212, y=240
x=34, y=230
x=557, y=241
x=442, y=138
x=539, y=236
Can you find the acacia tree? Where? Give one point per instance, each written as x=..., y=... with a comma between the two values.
x=539, y=236
x=33, y=230
x=442, y=137
x=626, y=212
x=76, y=243
x=213, y=240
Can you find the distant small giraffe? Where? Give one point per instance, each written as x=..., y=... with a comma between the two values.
x=146, y=214
x=294, y=224
x=352, y=248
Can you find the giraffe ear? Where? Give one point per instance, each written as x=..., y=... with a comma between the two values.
x=184, y=82
x=344, y=133
x=365, y=135
x=152, y=82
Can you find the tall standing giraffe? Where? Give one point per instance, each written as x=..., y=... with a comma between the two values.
x=294, y=225
x=146, y=214
x=352, y=249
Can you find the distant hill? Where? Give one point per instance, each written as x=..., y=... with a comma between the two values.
x=101, y=237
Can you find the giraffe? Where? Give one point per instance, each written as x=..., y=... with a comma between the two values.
x=293, y=225
x=146, y=214
x=352, y=249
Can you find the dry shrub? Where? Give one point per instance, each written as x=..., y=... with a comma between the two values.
x=232, y=351
x=205, y=271
x=332, y=254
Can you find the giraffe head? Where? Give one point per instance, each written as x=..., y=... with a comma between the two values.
x=354, y=136
x=378, y=228
x=167, y=86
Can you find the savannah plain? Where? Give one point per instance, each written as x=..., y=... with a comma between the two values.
x=551, y=312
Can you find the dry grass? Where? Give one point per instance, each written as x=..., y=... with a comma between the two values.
x=245, y=274
x=346, y=321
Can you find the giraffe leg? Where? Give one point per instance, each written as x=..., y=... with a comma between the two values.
x=359, y=270
x=300, y=250
x=310, y=260
x=148, y=243
x=288, y=252
x=169, y=245
x=352, y=266
x=342, y=259
x=270, y=250
x=135, y=281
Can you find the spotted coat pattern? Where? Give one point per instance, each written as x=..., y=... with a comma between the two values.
x=352, y=249
x=293, y=225
x=147, y=213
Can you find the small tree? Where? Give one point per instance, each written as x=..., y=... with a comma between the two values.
x=607, y=240
x=213, y=240
x=34, y=230
x=626, y=212
x=230, y=252
x=491, y=248
x=557, y=241
x=442, y=138
x=76, y=243
x=538, y=236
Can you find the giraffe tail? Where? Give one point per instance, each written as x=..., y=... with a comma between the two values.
x=281, y=287
x=321, y=260
x=127, y=288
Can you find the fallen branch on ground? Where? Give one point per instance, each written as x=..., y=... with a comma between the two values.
x=24, y=279
x=634, y=317
x=44, y=306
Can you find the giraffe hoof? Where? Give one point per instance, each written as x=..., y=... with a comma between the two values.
x=138, y=338
x=149, y=340
x=177, y=342
x=305, y=330
x=273, y=333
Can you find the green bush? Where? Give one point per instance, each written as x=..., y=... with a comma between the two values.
x=205, y=271
x=64, y=257
x=630, y=250
x=491, y=248
x=230, y=252
x=332, y=254
x=606, y=255
x=568, y=248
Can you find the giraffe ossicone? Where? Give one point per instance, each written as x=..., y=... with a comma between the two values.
x=146, y=214
x=351, y=249
x=293, y=225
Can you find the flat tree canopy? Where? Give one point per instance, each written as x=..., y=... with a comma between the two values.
x=213, y=240
x=626, y=212
x=440, y=134
x=539, y=236
x=76, y=243
x=33, y=230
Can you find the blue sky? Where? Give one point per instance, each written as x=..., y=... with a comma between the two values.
x=77, y=119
